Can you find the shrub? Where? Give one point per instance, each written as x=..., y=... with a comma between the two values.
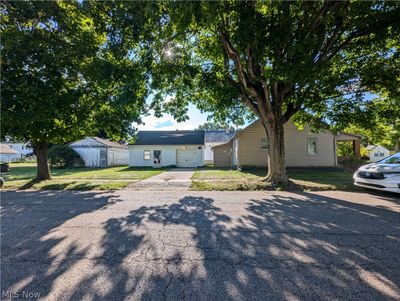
x=62, y=156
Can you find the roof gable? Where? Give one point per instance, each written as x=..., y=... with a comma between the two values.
x=109, y=143
x=97, y=142
x=169, y=137
x=376, y=148
x=218, y=136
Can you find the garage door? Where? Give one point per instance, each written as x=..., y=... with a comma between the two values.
x=186, y=157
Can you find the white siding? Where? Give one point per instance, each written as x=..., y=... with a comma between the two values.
x=200, y=155
x=378, y=153
x=235, y=152
x=91, y=155
x=22, y=148
x=86, y=142
x=208, y=153
x=117, y=156
x=186, y=157
x=168, y=154
x=7, y=158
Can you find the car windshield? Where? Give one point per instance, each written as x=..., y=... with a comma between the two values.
x=393, y=159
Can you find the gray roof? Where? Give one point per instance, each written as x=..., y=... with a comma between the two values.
x=169, y=137
x=109, y=143
x=218, y=136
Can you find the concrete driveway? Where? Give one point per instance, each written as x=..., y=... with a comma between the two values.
x=176, y=178
x=178, y=245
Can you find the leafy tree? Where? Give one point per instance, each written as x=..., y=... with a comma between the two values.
x=345, y=148
x=63, y=156
x=276, y=59
x=377, y=119
x=61, y=79
x=213, y=126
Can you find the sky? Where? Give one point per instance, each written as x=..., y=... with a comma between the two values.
x=167, y=122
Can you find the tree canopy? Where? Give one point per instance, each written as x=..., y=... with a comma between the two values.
x=272, y=60
x=275, y=61
x=214, y=126
x=61, y=79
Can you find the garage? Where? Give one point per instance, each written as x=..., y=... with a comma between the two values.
x=167, y=148
x=186, y=157
x=98, y=152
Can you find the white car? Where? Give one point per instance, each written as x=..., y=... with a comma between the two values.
x=381, y=175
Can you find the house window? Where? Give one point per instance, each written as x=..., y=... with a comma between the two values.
x=263, y=143
x=381, y=154
x=146, y=155
x=312, y=146
x=376, y=155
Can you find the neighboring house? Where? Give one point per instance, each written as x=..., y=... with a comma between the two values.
x=377, y=152
x=98, y=152
x=23, y=148
x=8, y=154
x=303, y=148
x=212, y=139
x=167, y=148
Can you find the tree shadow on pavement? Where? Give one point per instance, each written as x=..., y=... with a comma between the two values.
x=281, y=247
x=34, y=252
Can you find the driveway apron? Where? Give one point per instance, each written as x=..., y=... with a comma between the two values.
x=173, y=179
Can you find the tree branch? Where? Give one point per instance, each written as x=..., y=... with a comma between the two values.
x=263, y=106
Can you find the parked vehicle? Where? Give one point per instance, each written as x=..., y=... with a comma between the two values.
x=381, y=175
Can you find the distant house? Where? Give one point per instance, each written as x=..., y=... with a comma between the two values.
x=167, y=148
x=23, y=148
x=212, y=139
x=98, y=152
x=8, y=154
x=377, y=152
x=303, y=148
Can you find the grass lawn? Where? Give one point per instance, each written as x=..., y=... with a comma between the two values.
x=308, y=179
x=109, y=178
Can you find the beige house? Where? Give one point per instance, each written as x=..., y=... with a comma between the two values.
x=302, y=147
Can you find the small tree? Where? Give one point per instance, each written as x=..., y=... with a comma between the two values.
x=62, y=156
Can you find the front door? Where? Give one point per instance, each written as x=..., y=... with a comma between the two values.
x=156, y=158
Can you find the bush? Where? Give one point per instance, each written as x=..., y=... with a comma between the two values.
x=62, y=156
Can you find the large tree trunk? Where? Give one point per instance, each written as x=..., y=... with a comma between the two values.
x=276, y=152
x=43, y=170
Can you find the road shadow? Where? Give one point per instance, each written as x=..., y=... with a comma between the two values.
x=299, y=246
x=27, y=217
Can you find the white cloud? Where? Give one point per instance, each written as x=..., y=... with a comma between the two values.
x=167, y=122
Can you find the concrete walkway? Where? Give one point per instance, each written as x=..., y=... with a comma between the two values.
x=173, y=179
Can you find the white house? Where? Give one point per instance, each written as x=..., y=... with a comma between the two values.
x=8, y=154
x=167, y=148
x=23, y=148
x=98, y=152
x=212, y=139
x=377, y=152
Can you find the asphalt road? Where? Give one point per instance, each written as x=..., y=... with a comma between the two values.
x=183, y=245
